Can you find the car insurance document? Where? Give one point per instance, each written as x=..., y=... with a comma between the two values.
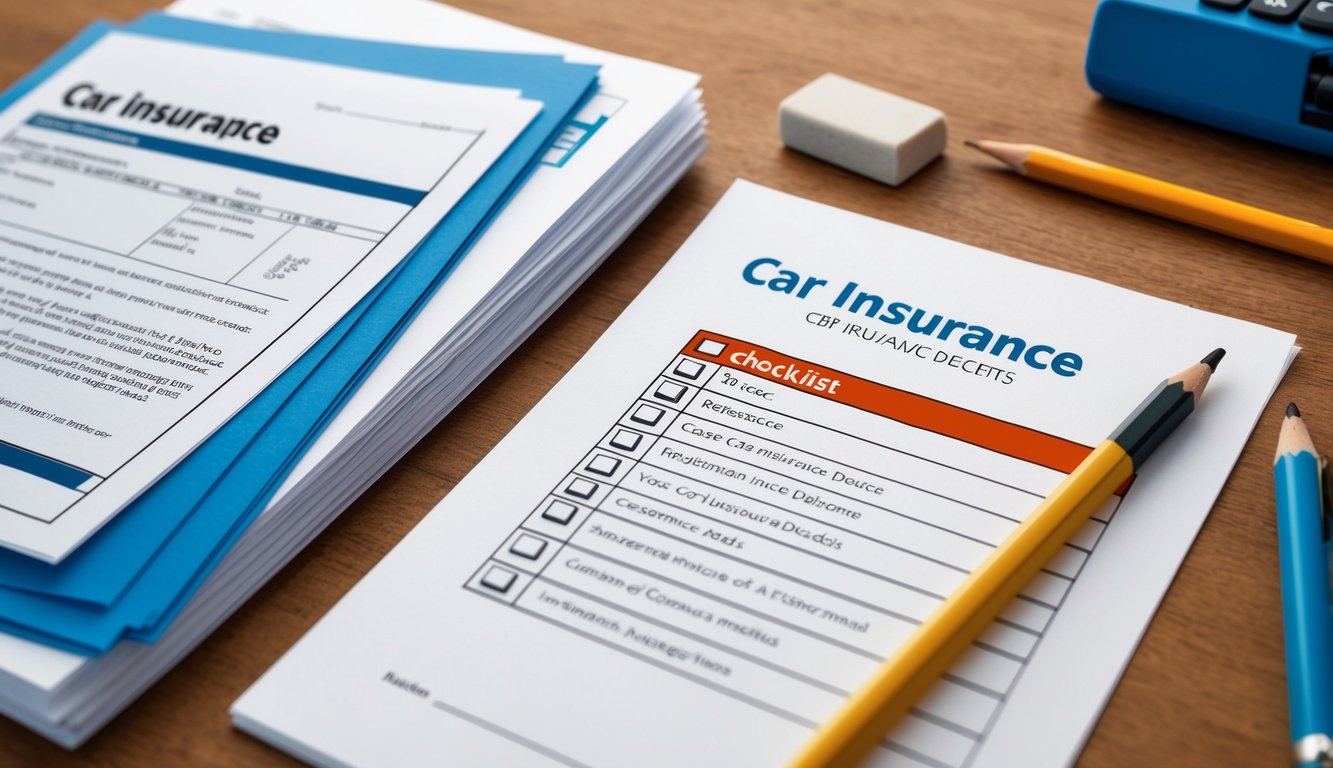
x=173, y=236
x=799, y=438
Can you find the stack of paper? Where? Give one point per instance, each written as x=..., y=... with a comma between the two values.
x=184, y=554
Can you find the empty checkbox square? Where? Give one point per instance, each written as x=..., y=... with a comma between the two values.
x=560, y=512
x=584, y=489
x=626, y=440
x=528, y=546
x=670, y=391
x=689, y=369
x=499, y=579
x=710, y=347
x=603, y=465
x=647, y=414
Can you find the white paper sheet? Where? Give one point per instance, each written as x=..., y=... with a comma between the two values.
x=766, y=472
x=158, y=274
x=634, y=96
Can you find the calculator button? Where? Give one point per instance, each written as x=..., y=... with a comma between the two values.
x=1321, y=94
x=1318, y=16
x=1276, y=10
x=1227, y=5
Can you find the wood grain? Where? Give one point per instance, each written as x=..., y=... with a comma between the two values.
x=1206, y=686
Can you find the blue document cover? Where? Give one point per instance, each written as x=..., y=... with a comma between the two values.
x=135, y=574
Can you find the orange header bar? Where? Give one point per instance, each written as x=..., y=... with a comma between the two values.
x=905, y=407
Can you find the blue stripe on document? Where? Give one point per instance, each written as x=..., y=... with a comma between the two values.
x=570, y=140
x=231, y=159
x=40, y=466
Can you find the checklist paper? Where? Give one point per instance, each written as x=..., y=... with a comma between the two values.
x=785, y=454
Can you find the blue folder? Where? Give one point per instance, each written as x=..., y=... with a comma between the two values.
x=135, y=574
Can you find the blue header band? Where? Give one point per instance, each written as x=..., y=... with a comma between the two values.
x=31, y=463
x=231, y=159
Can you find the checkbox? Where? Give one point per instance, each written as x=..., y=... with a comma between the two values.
x=528, y=546
x=584, y=489
x=560, y=512
x=626, y=440
x=647, y=414
x=689, y=369
x=670, y=391
x=603, y=465
x=499, y=579
x=710, y=348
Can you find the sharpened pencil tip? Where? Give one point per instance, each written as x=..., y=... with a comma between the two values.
x=1013, y=155
x=1213, y=358
x=1292, y=410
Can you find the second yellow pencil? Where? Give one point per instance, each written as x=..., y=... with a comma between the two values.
x=1173, y=201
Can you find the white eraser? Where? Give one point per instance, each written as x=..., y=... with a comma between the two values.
x=862, y=129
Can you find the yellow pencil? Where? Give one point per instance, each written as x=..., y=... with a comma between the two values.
x=865, y=717
x=1145, y=193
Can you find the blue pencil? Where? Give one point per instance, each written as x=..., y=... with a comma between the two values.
x=1306, y=607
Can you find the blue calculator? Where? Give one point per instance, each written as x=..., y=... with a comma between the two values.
x=1263, y=68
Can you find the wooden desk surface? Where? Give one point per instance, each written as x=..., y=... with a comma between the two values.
x=1206, y=686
